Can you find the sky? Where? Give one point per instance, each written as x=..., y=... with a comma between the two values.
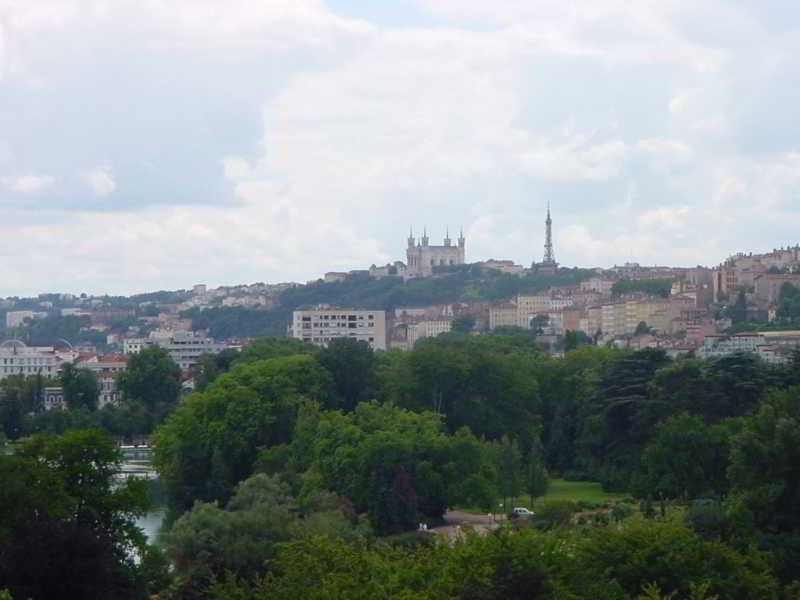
x=155, y=144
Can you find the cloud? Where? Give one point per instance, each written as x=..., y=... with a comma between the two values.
x=28, y=184
x=257, y=140
x=100, y=181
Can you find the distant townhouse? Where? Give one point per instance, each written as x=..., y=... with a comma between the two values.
x=321, y=325
x=107, y=370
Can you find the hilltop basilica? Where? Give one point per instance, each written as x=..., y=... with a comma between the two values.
x=421, y=257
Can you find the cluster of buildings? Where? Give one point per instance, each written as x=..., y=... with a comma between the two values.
x=184, y=347
x=691, y=317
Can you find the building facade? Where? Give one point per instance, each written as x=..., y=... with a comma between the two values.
x=319, y=326
x=426, y=329
x=421, y=257
x=18, y=359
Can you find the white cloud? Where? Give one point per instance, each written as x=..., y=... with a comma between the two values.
x=575, y=161
x=100, y=181
x=28, y=184
x=320, y=136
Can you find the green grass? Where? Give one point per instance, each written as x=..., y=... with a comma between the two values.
x=559, y=490
x=574, y=491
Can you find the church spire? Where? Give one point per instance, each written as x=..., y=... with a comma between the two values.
x=410, y=237
x=425, y=236
x=447, y=241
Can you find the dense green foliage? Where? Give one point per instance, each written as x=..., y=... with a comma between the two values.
x=653, y=287
x=788, y=304
x=67, y=530
x=303, y=472
x=451, y=284
x=613, y=564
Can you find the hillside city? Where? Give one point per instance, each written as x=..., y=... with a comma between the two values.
x=748, y=303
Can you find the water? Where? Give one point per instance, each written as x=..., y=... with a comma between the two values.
x=142, y=468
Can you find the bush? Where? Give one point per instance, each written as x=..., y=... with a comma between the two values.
x=555, y=514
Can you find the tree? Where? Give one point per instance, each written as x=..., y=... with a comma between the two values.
x=67, y=528
x=537, y=479
x=152, y=378
x=463, y=323
x=642, y=329
x=352, y=364
x=788, y=303
x=211, y=441
x=208, y=540
x=80, y=387
x=509, y=467
x=573, y=339
x=674, y=558
x=686, y=459
x=765, y=473
x=738, y=312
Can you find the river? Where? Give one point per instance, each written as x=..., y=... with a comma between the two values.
x=138, y=464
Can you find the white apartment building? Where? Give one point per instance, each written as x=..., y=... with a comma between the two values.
x=134, y=345
x=184, y=347
x=319, y=326
x=16, y=318
x=426, y=329
x=18, y=359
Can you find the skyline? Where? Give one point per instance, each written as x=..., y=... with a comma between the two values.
x=188, y=143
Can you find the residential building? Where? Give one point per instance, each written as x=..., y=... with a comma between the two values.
x=600, y=284
x=53, y=398
x=17, y=318
x=503, y=315
x=504, y=266
x=334, y=276
x=426, y=329
x=186, y=347
x=18, y=359
x=320, y=325
x=768, y=286
x=133, y=345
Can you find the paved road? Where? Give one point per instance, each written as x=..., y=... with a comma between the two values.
x=455, y=519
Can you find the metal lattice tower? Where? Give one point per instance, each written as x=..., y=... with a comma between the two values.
x=549, y=256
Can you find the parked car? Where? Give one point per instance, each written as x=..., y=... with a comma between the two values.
x=521, y=511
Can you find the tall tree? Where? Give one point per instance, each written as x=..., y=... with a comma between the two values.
x=352, y=364
x=67, y=527
x=152, y=378
x=80, y=387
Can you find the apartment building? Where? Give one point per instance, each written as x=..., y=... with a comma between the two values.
x=319, y=326
x=184, y=347
x=503, y=315
x=426, y=329
x=18, y=359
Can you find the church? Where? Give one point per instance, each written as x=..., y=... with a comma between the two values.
x=421, y=257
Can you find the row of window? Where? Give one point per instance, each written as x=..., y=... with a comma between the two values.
x=339, y=318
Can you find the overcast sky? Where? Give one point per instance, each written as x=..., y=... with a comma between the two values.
x=153, y=144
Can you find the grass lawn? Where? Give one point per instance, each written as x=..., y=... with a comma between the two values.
x=588, y=491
